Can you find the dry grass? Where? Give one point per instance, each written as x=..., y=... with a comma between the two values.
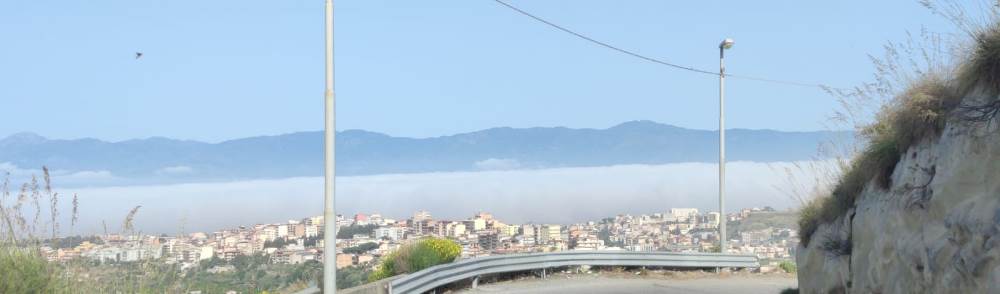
x=919, y=114
x=933, y=88
x=128, y=225
x=24, y=225
x=15, y=211
x=24, y=268
x=810, y=216
x=982, y=67
x=980, y=75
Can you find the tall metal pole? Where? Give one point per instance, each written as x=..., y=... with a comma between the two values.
x=722, y=149
x=329, y=180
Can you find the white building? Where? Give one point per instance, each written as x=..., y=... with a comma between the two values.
x=456, y=229
x=421, y=216
x=713, y=219
x=683, y=214
x=312, y=231
x=549, y=233
x=391, y=233
x=528, y=235
x=207, y=252
x=283, y=231
x=476, y=225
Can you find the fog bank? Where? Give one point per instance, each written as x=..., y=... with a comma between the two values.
x=562, y=195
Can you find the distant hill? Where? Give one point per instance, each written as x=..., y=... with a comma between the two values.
x=362, y=153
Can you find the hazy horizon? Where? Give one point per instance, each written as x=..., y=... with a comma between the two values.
x=559, y=195
x=220, y=140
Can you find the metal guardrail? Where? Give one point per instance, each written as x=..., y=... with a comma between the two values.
x=444, y=274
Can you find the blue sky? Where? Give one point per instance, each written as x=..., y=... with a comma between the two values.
x=216, y=70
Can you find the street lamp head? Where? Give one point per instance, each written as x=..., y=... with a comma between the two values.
x=727, y=43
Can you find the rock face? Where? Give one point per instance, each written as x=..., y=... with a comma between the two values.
x=936, y=229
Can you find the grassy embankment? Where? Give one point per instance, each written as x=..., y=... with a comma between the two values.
x=917, y=114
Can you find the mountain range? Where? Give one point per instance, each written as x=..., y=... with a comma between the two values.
x=361, y=152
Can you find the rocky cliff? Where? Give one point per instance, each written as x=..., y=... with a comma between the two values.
x=933, y=227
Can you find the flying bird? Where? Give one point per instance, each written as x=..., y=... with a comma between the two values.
x=138, y=54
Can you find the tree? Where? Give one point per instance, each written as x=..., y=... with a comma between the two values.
x=73, y=241
x=605, y=234
x=311, y=241
x=352, y=276
x=276, y=243
x=309, y=270
x=349, y=231
x=362, y=248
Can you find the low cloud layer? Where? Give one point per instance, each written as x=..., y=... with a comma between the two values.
x=16, y=174
x=175, y=170
x=498, y=164
x=563, y=195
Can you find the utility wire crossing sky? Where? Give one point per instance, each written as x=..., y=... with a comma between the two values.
x=225, y=69
x=656, y=60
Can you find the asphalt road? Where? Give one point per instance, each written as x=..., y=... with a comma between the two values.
x=586, y=284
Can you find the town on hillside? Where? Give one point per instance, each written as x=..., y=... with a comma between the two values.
x=363, y=239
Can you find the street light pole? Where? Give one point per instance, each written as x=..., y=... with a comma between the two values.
x=329, y=180
x=726, y=44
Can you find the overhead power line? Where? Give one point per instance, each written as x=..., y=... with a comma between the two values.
x=653, y=59
x=606, y=45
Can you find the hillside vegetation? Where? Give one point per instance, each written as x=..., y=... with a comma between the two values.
x=763, y=220
x=916, y=211
x=918, y=114
x=29, y=223
x=415, y=256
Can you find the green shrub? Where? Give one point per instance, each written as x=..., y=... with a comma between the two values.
x=351, y=276
x=416, y=256
x=788, y=267
x=386, y=269
x=447, y=249
x=23, y=270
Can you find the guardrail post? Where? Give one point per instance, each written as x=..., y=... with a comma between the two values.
x=475, y=282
